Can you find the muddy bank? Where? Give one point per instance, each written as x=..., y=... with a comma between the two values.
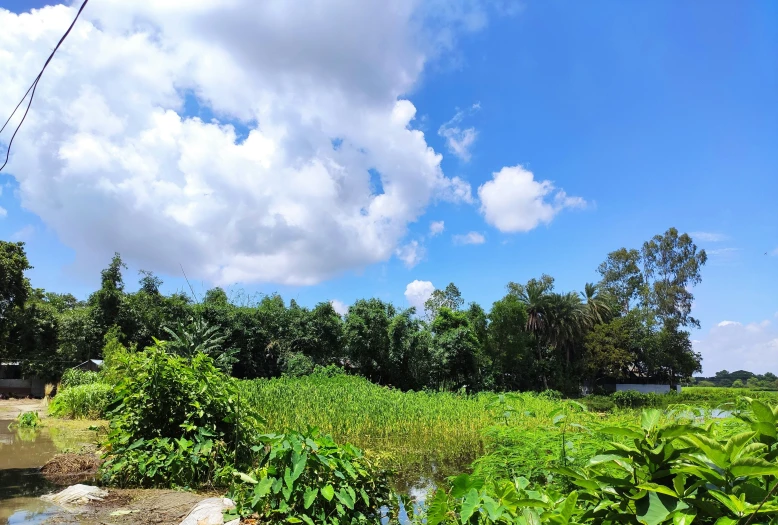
x=133, y=506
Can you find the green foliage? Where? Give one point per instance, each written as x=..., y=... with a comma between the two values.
x=296, y=364
x=14, y=286
x=661, y=472
x=414, y=429
x=634, y=399
x=75, y=377
x=308, y=478
x=26, y=420
x=85, y=401
x=176, y=422
x=199, y=337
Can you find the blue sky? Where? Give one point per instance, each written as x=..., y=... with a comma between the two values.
x=656, y=114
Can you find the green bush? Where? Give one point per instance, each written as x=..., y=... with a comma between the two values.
x=75, y=377
x=661, y=472
x=309, y=478
x=599, y=403
x=26, y=420
x=633, y=399
x=177, y=422
x=87, y=401
x=296, y=364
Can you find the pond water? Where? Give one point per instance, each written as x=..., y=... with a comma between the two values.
x=22, y=453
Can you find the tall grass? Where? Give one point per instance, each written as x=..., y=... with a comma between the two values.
x=429, y=433
x=87, y=401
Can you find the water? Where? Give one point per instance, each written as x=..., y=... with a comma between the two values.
x=22, y=453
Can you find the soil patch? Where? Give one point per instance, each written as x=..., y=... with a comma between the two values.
x=136, y=507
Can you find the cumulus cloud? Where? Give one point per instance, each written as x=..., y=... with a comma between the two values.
x=417, y=293
x=732, y=345
x=458, y=140
x=300, y=108
x=513, y=201
x=3, y=213
x=708, y=236
x=411, y=254
x=437, y=227
x=339, y=306
x=469, y=238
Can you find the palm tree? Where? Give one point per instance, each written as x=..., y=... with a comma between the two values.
x=597, y=309
x=566, y=319
x=534, y=296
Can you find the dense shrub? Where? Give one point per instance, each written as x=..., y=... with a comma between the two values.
x=177, y=422
x=309, y=478
x=597, y=403
x=633, y=399
x=86, y=401
x=75, y=377
x=661, y=472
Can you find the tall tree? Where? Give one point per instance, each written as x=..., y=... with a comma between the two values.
x=14, y=286
x=672, y=265
x=509, y=346
x=450, y=298
x=366, y=331
x=598, y=310
x=621, y=276
x=107, y=301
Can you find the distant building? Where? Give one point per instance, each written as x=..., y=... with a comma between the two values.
x=643, y=388
x=92, y=365
x=12, y=381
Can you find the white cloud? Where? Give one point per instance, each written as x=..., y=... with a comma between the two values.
x=24, y=234
x=469, y=238
x=731, y=345
x=339, y=306
x=108, y=159
x=411, y=254
x=3, y=213
x=437, y=227
x=458, y=140
x=417, y=293
x=513, y=201
x=708, y=236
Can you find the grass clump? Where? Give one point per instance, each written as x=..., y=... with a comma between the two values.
x=76, y=377
x=86, y=401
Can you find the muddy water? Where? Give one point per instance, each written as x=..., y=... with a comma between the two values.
x=22, y=453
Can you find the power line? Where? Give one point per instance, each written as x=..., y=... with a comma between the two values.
x=33, y=87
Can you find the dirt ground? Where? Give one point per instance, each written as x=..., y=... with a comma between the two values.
x=134, y=506
x=11, y=408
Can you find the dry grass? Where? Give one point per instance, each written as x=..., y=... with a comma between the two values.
x=65, y=469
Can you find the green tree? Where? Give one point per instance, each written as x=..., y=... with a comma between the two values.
x=450, y=298
x=216, y=296
x=366, y=331
x=456, y=353
x=622, y=277
x=409, y=351
x=598, y=310
x=672, y=265
x=509, y=346
x=14, y=288
x=107, y=301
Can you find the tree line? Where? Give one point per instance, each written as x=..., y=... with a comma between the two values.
x=630, y=326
